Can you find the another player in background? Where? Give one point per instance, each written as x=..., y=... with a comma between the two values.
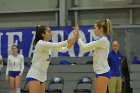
x=14, y=71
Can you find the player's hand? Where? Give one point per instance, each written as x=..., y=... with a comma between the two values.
x=76, y=35
x=76, y=27
x=76, y=31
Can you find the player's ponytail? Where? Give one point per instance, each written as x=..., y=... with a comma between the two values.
x=40, y=29
x=109, y=27
x=106, y=26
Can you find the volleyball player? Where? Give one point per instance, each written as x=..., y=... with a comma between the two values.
x=37, y=74
x=14, y=71
x=103, y=29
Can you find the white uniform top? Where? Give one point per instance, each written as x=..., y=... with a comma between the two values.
x=100, y=55
x=1, y=63
x=41, y=60
x=15, y=63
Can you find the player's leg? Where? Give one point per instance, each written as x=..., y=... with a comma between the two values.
x=17, y=84
x=34, y=86
x=12, y=84
x=101, y=84
x=42, y=87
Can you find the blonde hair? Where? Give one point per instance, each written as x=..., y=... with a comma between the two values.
x=106, y=25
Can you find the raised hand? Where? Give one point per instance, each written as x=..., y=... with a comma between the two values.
x=76, y=27
x=76, y=31
x=75, y=37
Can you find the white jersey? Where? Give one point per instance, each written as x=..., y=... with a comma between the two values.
x=100, y=55
x=41, y=58
x=15, y=63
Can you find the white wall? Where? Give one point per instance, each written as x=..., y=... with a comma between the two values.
x=26, y=20
x=13, y=5
x=117, y=16
x=85, y=17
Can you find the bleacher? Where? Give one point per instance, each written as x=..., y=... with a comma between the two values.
x=135, y=78
x=70, y=73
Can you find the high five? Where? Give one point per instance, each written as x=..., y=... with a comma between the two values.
x=37, y=74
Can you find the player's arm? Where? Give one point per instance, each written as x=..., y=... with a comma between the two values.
x=86, y=47
x=70, y=44
x=63, y=49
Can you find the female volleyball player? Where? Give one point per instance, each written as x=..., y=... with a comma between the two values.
x=103, y=29
x=15, y=67
x=37, y=74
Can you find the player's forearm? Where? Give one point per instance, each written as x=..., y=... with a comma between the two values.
x=71, y=40
x=71, y=44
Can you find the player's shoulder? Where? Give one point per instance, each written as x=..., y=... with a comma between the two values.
x=21, y=56
x=103, y=39
x=40, y=42
x=10, y=56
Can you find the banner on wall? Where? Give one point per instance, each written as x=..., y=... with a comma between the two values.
x=24, y=39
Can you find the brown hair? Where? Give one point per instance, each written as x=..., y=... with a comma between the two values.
x=15, y=46
x=106, y=25
x=40, y=29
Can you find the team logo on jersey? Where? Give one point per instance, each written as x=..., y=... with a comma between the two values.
x=119, y=58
